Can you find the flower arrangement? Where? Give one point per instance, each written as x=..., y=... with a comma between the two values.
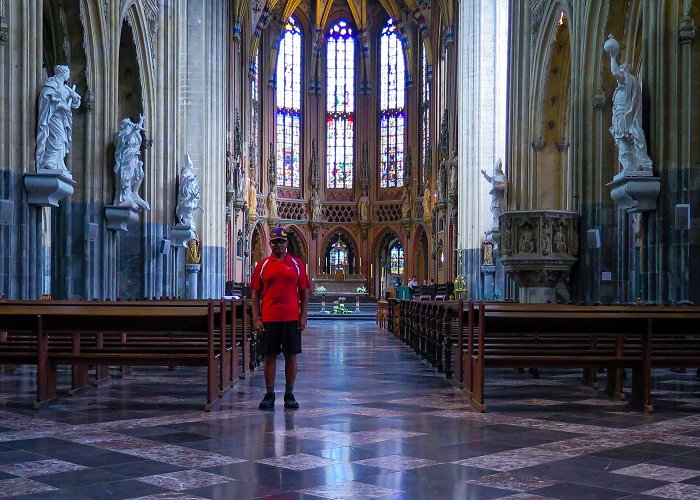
x=361, y=289
x=321, y=289
x=339, y=307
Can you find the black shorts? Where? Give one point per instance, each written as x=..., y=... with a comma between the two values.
x=281, y=336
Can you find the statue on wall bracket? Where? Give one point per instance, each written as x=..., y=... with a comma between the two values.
x=129, y=174
x=53, y=181
x=634, y=188
x=189, y=195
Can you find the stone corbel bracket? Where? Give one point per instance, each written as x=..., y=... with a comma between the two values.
x=47, y=187
x=118, y=218
x=181, y=234
x=635, y=193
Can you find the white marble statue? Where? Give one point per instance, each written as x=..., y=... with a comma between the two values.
x=55, y=124
x=128, y=166
x=189, y=195
x=627, y=115
x=499, y=183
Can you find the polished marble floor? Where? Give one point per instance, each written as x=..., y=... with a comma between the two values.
x=375, y=422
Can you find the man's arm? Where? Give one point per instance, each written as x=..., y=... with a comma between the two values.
x=303, y=308
x=257, y=323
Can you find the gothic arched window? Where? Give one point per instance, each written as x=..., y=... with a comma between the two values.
x=288, y=96
x=396, y=258
x=340, y=105
x=338, y=255
x=255, y=110
x=391, y=105
x=425, y=111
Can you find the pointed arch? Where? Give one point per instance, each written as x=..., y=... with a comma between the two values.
x=298, y=245
x=288, y=100
x=340, y=104
x=340, y=233
x=551, y=124
x=392, y=105
x=382, y=245
x=420, y=255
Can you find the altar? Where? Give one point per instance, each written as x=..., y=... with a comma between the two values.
x=338, y=285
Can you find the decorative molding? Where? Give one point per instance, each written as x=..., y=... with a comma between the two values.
x=428, y=166
x=408, y=168
x=364, y=169
x=315, y=173
x=562, y=146
x=271, y=168
x=443, y=145
x=89, y=100
x=538, y=145
x=536, y=21
x=599, y=101
x=152, y=24
x=4, y=32
x=686, y=30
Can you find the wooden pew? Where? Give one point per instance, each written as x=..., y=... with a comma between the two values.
x=550, y=335
x=235, y=348
x=162, y=334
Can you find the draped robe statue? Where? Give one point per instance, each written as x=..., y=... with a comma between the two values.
x=189, y=195
x=55, y=122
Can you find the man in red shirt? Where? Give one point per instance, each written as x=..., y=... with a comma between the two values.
x=281, y=293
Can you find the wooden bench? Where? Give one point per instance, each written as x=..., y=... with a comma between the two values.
x=160, y=334
x=238, y=343
x=590, y=337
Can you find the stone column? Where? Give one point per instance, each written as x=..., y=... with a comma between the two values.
x=481, y=105
x=489, y=272
x=192, y=271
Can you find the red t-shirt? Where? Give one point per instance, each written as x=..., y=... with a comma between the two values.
x=280, y=286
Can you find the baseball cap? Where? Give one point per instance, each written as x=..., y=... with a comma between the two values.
x=278, y=233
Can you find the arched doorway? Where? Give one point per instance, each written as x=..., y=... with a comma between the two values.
x=420, y=252
x=389, y=262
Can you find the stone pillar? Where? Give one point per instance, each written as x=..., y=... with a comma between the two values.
x=488, y=290
x=539, y=249
x=192, y=271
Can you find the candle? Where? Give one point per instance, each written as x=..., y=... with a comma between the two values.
x=371, y=270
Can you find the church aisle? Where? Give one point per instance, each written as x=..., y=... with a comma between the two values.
x=374, y=422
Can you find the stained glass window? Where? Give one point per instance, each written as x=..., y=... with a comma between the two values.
x=396, y=258
x=393, y=117
x=255, y=110
x=339, y=256
x=425, y=108
x=340, y=105
x=288, y=96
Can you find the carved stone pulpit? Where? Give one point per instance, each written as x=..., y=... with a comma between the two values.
x=539, y=247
